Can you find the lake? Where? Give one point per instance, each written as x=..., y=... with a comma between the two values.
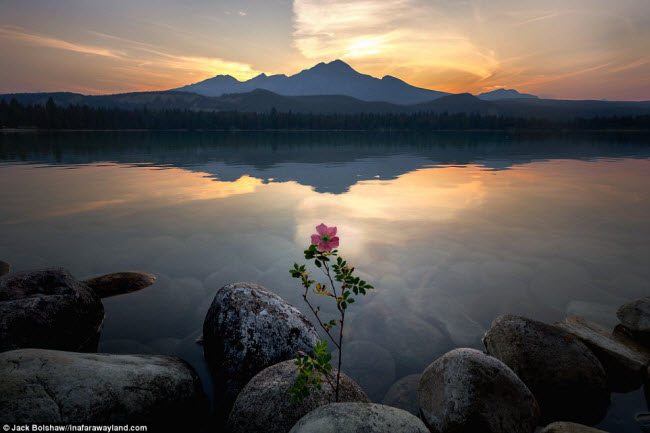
x=452, y=229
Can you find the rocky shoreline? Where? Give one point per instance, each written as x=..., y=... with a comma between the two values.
x=532, y=376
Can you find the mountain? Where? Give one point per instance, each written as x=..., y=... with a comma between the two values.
x=499, y=94
x=334, y=78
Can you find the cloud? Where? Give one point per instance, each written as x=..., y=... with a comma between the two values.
x=14, y=33
x=138, y=65
x=479, y=45
x=409, y=33
x=242, y=13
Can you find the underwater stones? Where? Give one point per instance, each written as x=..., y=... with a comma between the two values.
x=403, y=394
x=120, y=282
x=626, y=368
x=566, y=378
x=265, y=403
x=635, y=315
x=49, y=386
x=466, y=390
x=48, y=309
x=247, y=329
x=569, y=427
x=358, y=418
x=369, y=365
x=443, y=311
x=4, y=268
x=411, y=341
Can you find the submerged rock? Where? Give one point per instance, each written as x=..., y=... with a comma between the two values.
x=4, y=268
x=643, y=420
x=635, y=315
x=566, y=378
x=466, y=390
x=569, y=427
x=626, y=368
x=403, y=394
x=359, y=418
x=49, y=386
x=120, y=282
x=264, y=405
x=369, y=365
x=48, y=309
x=247, y=329
x=410, y=340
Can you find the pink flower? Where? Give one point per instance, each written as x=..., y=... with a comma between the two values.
x=326, y=238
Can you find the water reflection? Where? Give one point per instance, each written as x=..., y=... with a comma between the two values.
x=452, y=230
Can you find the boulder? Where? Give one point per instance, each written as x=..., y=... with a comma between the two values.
x=120, y=282
x=48, y=386
x=403, y=394
x=635, y=315
x=566, y=378
x=626, y=368
x=247, y=329
x=358, y=418
x=48, y=309
x=264, y=405
x=569, y=427
x=467, y=390
x=369, y=365
x=4, y=268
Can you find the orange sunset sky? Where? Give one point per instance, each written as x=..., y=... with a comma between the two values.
x=569, y=49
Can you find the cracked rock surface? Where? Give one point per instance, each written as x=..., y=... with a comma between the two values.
x=48, y=386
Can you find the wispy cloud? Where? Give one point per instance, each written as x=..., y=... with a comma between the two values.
x=14, y=33
x=143, y=65
x=409, y=33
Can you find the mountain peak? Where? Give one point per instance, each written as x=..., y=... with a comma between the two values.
x=504, y=94
x=334, y=65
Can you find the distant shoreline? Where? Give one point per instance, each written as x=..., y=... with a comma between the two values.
x=556, y=130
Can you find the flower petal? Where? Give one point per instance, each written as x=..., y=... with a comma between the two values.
x=331, y=231
x=321, y=229
x=315, y=239
x=334, y=242
x=324, y=246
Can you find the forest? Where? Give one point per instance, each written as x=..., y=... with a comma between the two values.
x=75, y=117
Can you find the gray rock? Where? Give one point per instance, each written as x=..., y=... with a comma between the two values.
x=47, y=386
x=358, y=418
x=566, y=378
x=48, y=309
x=403, y=394
x=264, y=405
x=466, y=390
x=626, y=368
x=4, y=268
x=120, y=282
x=369, y=365
x=635, y=315
x=569, y=427
x=247, y=329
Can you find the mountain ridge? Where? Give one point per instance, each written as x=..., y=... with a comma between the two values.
x=333, y=78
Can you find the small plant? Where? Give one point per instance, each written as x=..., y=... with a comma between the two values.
x=314, y=371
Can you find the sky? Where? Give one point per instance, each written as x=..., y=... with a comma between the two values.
x=565, y=49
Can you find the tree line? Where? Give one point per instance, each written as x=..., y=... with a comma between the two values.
x=13, y=114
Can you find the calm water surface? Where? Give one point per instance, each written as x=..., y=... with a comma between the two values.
x=452, y=229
